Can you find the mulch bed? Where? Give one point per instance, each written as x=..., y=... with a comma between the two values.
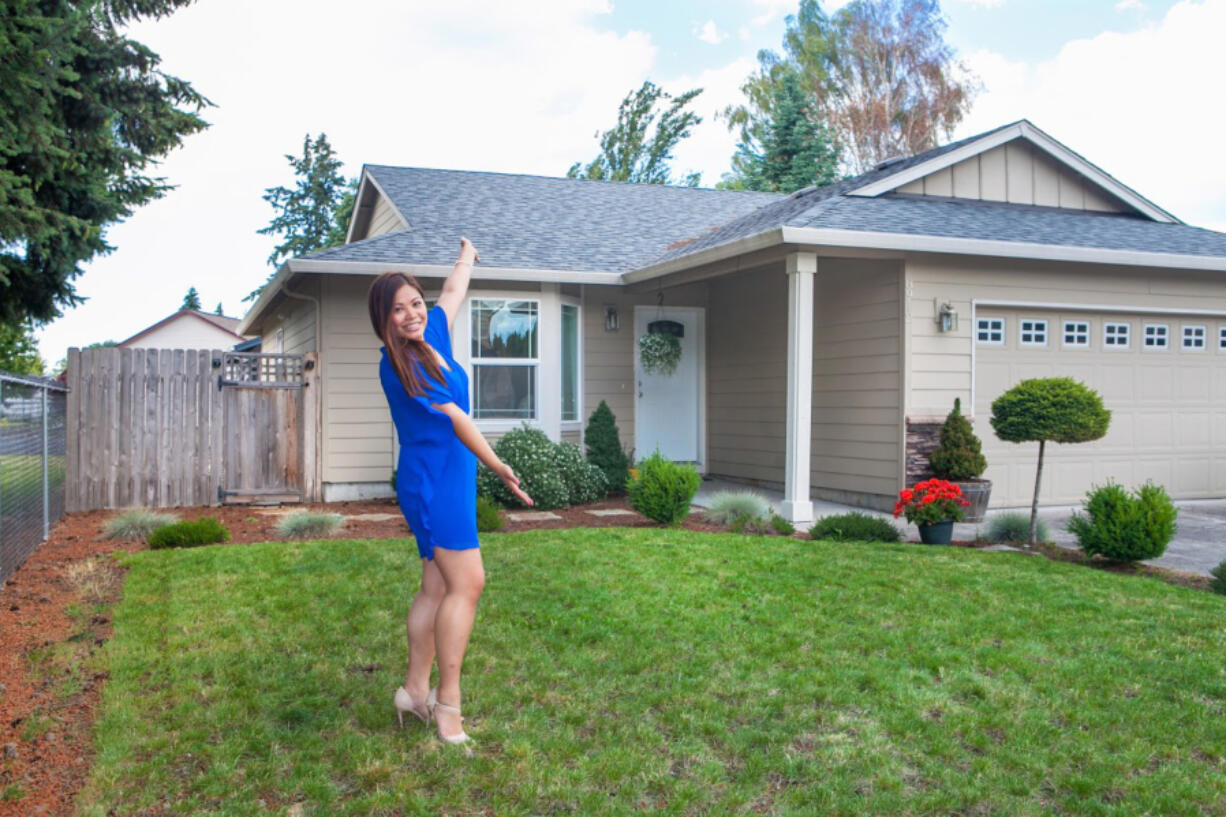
x=46, y=741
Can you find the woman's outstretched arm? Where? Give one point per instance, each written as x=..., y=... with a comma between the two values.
x=472, y=437
x=456, y=285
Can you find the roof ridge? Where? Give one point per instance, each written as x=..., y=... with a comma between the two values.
x=564, y=179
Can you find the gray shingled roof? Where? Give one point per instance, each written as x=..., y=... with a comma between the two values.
x=537, y=222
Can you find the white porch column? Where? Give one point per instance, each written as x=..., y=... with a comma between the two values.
x=801, y=270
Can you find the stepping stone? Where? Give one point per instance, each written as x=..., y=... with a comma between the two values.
x=532, y=516
x=1010, y=548
x=374, y=517
x=611, y=512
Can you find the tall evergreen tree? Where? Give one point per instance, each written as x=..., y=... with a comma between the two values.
x=191, y=300
x=218, y=311
x=786, y=150
x=84, y=110
x=631, y=151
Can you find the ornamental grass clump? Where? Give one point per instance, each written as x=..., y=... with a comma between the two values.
x=1125, y=527
x=604, y=448
x=207, y=530
x=306, y=524
x=854, y=527
x=663, y=489
x=137, y=523
x=930, y=501
x=959, y=457
x=1014, y=529
x=725, y=506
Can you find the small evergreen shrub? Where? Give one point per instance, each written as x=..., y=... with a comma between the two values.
x=604, y=448
x=781, y=525
x=532, y=456
x=488, y=519
x=960, y=454
x=854, y=527
x=1014, y=528
x=1218, y=585
x=206, y=530
x=663, y=489
x=137, y=523
x=306, y=524
x=726, y=506
x=1125, y=527
x=584, y=481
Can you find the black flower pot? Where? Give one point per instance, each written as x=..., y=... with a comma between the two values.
x=937, y=533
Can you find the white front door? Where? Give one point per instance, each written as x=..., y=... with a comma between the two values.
x=668, y=408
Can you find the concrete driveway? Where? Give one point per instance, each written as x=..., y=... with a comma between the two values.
x=1198, y=547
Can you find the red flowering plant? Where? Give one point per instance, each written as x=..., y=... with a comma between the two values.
x=934, y=500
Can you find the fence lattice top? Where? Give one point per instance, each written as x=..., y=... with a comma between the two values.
x=252, y=369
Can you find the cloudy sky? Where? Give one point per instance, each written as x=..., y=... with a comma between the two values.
x=524, y=87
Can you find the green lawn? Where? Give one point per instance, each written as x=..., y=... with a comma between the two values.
x=664, y=672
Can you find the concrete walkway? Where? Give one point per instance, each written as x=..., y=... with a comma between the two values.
x=1198, y=547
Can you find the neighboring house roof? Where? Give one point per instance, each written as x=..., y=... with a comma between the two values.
x=538, y=222
x=227, y=325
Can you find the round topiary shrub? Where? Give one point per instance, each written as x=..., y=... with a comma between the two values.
x=663, y=489
x=1125, y=527
x=959, y=457
x=604, y=448
x=584, y=481
x=532, y=456
x=854, y=527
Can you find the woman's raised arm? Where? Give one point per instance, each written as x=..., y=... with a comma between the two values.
x=456, y=285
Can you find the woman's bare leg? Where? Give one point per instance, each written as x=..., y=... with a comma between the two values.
x=420, y=626
x=464, y=577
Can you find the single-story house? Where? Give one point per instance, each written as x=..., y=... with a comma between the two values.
x=825, y=334
x=188, y=329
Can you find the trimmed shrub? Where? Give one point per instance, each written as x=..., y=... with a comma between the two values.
x=488, y=519
x=725, y=506
x=304, y=523
x=1014, y=528
x=584, y=481
x=781, y=525
x=137, y=523
x=1125, y=527
x=1218, y=585
x=960, y=454
x=532, y=456
x=854, y=527
x=206, y=530
x=663, y=489
x=604, y=448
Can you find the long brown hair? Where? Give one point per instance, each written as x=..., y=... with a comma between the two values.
x=402, y=352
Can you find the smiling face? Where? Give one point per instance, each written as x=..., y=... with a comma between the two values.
x=409, y=313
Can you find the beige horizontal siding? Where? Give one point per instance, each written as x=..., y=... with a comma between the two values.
x=1018, y=173
x=383, y=218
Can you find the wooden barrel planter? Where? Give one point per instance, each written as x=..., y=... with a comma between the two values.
x=977, y=492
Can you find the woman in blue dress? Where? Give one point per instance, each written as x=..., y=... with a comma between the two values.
x=427, y=393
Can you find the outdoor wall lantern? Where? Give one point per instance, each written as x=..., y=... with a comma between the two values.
x=610, y=319
x=947, y=317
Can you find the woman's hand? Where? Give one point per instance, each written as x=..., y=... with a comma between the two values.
x=509, y=479
x=468, y=253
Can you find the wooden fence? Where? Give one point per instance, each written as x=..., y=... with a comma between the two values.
x=149, y=427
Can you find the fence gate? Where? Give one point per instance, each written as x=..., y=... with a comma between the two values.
x=262, y=428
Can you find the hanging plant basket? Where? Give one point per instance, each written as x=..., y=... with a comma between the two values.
x=659, y=352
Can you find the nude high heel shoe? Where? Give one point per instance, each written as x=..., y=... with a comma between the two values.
x=432, y=703
x=404, y=703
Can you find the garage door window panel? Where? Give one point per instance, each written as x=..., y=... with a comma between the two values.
x=1032, y=332
x=1077, y=334
x=1116, y=335
x=1221, y=337
x=991, y=331
x=1194, y=338
x=1157, y=336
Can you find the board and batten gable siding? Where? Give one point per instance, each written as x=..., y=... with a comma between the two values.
x=1018, y=173
x=856, y=444
x=940, y=365
x=608, y=357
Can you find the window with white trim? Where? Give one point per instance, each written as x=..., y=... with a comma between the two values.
x=991, y=331
x=1221, y=337
x=1077, y=333
x=1194, y=338
x=1033, y=332
x=505, y=358
x=1115, y=335
x=1157, y=336
x=570, y=363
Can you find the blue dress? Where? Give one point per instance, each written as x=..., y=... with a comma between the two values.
x=436, y=475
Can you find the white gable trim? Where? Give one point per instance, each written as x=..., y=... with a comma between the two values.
x=1027, y=131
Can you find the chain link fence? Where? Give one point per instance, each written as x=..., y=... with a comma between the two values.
x=33, y=441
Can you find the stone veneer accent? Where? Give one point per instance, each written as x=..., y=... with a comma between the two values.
x=922, y=439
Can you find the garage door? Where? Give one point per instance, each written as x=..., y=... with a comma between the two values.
x=1163, y=377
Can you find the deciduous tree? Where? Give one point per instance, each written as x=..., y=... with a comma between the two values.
x=84, y=110
x=19, y=350
x=632, y=151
